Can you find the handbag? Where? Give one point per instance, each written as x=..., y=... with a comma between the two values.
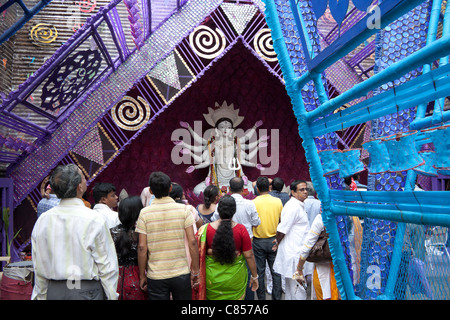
x=320, y=252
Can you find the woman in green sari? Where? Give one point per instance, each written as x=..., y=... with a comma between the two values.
x=225, y=247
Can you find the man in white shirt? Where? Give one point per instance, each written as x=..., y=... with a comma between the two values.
x=291, y=232
x=246, y=214
x=105, y=199
x=313, y=207
x=74, y=256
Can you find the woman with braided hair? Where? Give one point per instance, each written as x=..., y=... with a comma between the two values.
x=224, y=247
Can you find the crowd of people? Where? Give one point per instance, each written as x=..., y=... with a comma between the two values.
x=157, y=246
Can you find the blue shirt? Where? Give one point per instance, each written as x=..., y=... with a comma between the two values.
x=46, y=204
x=283, y=196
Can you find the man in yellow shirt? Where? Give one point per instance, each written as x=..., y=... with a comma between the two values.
x=269, y=211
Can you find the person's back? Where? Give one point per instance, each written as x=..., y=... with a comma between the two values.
x=61, y=223
x=269, y=210
x=277, y=190
x=165, y=222
x=312, y=205
x=73, y=251
x=162, y=256
x=246, y=213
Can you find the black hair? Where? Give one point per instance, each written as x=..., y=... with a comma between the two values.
x=102, y=189
x=348, y=180
x=224, y=119
x=64, y=181
x=236, y=184
x=223, y=246
x=294, y=184
x=160, y=183
x=129, y=210
x=263, y=184
x=176, y=193
x=277, y=184
x=209, y=195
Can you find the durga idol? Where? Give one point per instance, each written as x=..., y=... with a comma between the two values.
x=223, y=152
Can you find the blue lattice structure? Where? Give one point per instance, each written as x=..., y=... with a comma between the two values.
x=26, y=15
x=402, y=253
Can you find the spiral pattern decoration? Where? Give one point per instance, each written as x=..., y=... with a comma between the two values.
x=263, y=45
x=206, y=42
x=130, y=114
x=43, y=34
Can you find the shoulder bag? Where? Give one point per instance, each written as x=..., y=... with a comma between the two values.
x=320, y=252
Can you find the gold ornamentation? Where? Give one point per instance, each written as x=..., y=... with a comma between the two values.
x=223, y=111
x=206, y=42
x=131, y=115
x=43, y=35
x=263, y=45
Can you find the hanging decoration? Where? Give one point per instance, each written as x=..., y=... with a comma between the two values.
x=379, y=157
x=427, y=169
x=329, y=164
x=440, y=137
x=349, y=162
x=338, y=9
x=402, y=151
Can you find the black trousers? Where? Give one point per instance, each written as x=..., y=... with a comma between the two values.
x=179, y=287
x=83, y=290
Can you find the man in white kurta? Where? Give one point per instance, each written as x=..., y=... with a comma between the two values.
x=291, y=232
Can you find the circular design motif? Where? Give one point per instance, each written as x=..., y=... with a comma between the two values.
x=43, y=34
x=206, y=42
x=70, y=79
x=87, y=5
x=263, y=45
x=130, y=114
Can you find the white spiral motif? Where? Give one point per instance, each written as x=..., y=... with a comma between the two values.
x=206, y=42
x=263, y=45
x=130, y=114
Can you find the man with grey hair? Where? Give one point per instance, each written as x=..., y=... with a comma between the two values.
x=74, y=257
x=312, y=204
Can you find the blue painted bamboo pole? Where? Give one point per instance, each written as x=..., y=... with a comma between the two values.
x=439, y=104
x=398, y=245
x=431, y=37
x=301, y=28
x=390, y=11
x=344, y=282
x=429, y=53
x=394, y=215
x=28, y=14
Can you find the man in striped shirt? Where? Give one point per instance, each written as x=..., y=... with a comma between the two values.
x=162, y=227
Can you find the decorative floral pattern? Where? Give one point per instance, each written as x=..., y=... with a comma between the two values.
x=70, y=79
